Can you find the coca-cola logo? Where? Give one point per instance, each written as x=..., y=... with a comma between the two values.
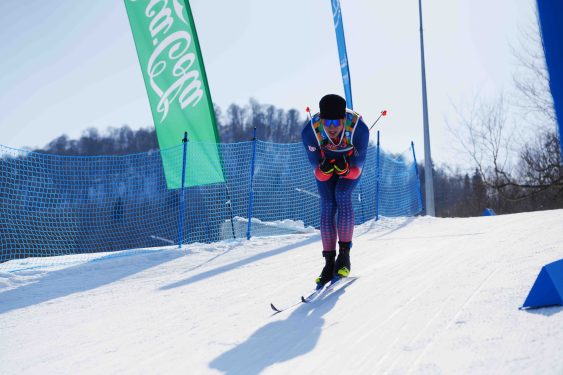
x=172, y=58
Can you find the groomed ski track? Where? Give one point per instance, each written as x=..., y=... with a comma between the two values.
x=434, y=296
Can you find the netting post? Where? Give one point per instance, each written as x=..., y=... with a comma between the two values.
x=417, y=177
x=182, y=203
x=377, y=177
x=250, y=198
x=230, y=204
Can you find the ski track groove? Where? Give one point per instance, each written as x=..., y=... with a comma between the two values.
x=454, y=318
x=398, y=357
x=447, y=301
x=405, y=308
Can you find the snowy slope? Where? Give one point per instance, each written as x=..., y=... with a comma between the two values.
x=434, y=296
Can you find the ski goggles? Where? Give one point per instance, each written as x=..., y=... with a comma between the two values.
x=335, y=123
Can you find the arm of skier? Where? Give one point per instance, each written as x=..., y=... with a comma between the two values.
x=358, y=157
x=322, y=168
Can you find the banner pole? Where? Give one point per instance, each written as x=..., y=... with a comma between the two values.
x=342, y=54
x=182, y=203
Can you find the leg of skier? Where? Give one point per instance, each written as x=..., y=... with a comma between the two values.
x=328, y=228
x=345, y=224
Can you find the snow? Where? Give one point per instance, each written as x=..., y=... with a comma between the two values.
x=434, y=296
x=262, y=228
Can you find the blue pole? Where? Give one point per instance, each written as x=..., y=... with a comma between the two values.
x=250, y=198
x=417, y=177
x=182, y=204
x=377, y=176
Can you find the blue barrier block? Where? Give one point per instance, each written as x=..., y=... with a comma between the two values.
x=548, y=288
x=488, y=212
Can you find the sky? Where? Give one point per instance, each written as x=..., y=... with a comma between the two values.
x=69, y=65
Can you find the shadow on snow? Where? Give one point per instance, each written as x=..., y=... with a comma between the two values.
x=279, y=341
x=545, y=310
x=240, y=263
x=80, y=278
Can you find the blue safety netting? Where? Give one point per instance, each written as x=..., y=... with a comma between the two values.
x=83, y=207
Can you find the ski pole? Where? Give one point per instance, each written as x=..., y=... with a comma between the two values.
x=308, y=110
x=383, y=113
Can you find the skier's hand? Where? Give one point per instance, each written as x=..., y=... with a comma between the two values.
x=326, y=166
x=341, y=166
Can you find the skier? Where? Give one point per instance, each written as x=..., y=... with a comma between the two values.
x=336, y=141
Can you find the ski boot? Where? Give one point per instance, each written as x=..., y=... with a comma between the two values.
x=327, y=273
x=342, y=265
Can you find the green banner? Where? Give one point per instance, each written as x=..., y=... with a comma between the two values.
x=170, y=58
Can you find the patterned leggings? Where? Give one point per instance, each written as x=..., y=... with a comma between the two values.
x=336, y=195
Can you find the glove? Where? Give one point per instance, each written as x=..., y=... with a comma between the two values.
x=326, y=166
x=341, y=166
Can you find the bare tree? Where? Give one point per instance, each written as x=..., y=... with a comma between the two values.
x=527, y=169
x=532, y=80
x=483, y=134
x=540, y=163
x=539, y=166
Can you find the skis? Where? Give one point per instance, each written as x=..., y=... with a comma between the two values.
x=320, y=293
x=317, y=294
x=277, y=311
